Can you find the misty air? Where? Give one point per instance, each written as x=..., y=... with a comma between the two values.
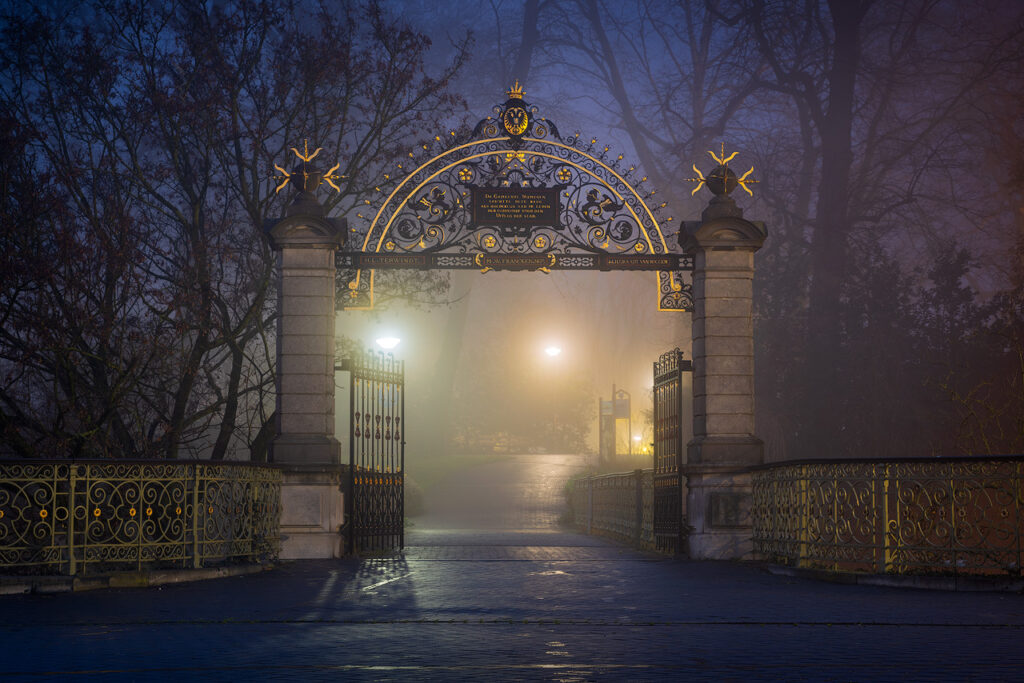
x=515, y=340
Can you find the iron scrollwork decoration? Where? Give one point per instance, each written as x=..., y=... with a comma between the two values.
x=948, y=516
x=75, y=517
x=514, y=194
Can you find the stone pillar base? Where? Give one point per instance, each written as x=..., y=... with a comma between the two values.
x=719, y=497
x=305, y=450
x=312, y=512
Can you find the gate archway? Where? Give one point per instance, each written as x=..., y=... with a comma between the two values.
x=515, y=195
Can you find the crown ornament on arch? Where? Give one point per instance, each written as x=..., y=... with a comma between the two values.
x=516, y=92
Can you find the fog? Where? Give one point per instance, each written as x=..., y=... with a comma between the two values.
x=481, y=393
x=888, y=296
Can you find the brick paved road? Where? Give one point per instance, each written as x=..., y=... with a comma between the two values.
x=506, y=604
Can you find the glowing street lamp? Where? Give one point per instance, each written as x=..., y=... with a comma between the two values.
x=553, y=351
x=388, y=343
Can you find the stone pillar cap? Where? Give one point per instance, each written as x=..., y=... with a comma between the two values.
x=722, y=225
x=304, y=230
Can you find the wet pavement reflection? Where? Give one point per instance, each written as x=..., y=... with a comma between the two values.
x=506, y=492
x=489, y=587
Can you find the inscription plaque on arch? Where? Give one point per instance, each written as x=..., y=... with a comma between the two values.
x=515, y=206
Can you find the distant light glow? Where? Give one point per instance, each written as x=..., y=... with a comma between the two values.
x=553, y=350
x=637, y=437
x=388, y=342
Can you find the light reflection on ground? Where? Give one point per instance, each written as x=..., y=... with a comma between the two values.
x=509, y=492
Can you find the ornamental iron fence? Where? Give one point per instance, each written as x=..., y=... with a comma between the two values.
x=959, y=516
x=618, y=505
x=77, y=517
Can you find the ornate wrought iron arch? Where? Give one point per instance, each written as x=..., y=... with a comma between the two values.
x=515, y=195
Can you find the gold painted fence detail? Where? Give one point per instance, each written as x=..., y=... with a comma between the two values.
x=59, y=517
x=961, y=516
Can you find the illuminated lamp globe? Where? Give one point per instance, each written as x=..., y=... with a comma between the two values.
x=553, y=351
x=388, y=343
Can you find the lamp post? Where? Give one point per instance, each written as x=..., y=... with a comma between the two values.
x=553, y=351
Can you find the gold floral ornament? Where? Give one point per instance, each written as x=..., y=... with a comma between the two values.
x=311, y=179
x=465, y=174
x=564, y=175
x=722, y=180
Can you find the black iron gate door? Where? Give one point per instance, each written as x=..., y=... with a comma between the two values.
x=375, y=508
x=673, y=417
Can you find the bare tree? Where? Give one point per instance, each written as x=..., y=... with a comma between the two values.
x=158, y=125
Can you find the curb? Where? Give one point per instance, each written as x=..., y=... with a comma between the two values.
x=966, y=584
x=21, y=585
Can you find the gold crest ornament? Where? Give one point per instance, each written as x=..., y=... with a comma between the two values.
x=516, y=121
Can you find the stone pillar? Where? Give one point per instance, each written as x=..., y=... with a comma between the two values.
x=724, y=445
x=312, y=502
x=305, y=246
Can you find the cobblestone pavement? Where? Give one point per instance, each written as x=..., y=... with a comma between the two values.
x=513, y=604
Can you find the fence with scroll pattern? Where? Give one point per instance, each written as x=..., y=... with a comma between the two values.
x=959, y=516
x=75, y=517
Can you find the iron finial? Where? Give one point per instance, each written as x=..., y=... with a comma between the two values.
x=722, y=180
x=311, y=178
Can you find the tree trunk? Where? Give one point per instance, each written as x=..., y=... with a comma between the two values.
x=228, y=418
x=830, y=241
x=524, y=57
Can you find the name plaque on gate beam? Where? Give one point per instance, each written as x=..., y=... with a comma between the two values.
x=546, y=260
x=640, y=262
x=516, y=206
x=387, y=260
x=515, y=261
